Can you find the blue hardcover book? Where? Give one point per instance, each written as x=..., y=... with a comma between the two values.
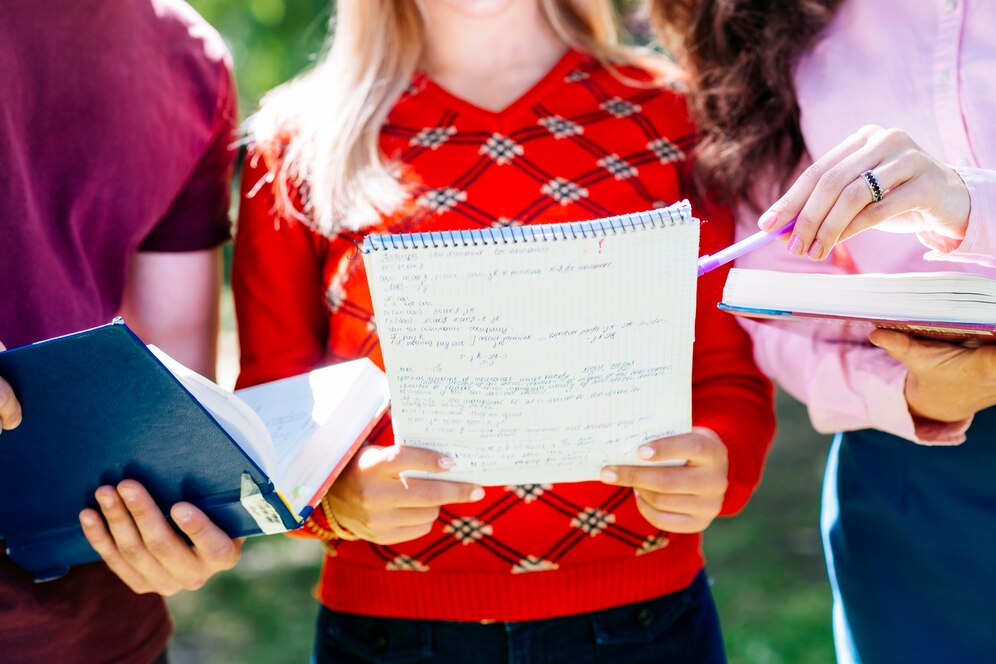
x=99, y=407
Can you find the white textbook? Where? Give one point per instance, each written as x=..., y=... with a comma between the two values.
x=951, y=306
x=538, y=354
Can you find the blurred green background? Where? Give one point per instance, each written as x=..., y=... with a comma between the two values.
x=767, y=564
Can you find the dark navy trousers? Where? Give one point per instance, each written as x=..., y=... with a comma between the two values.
x=910, y=538
x=679, y=628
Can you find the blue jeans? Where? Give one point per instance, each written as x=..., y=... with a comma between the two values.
x=682, y=627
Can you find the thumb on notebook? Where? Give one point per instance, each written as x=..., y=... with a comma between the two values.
x=917, y=354
x=911, y=352
x=896, y=344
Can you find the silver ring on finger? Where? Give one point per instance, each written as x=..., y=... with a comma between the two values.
x=873, y=185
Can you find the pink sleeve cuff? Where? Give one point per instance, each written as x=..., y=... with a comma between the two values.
x=979, y=245
x=933, y=432
x=881, y=387
x=890, y=413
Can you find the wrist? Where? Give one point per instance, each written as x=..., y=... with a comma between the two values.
x=989, y=373
x=340, y=531
x=961, y=196
x=925, y=411
x=910, y=392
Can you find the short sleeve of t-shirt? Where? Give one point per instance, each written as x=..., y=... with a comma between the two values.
x=199, y=218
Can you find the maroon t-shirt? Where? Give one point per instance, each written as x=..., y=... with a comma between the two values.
x=116, y=122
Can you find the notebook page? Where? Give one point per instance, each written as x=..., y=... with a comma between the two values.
x=539, y=361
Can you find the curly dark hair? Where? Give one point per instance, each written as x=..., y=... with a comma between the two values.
x=740, y=56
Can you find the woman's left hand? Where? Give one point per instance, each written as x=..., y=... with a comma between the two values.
x=833, y=200
x=946, y=382
x=678, y=499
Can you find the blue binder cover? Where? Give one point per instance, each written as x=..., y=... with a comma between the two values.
x=100, y=408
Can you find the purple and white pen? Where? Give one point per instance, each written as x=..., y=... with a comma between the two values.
x=710, y=262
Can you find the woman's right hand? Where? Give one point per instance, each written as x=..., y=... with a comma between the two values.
x=371, y=499
x=833, y=201
x=946, y=382
x=10, y=409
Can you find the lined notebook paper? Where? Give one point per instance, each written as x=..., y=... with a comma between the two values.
x=538, y=354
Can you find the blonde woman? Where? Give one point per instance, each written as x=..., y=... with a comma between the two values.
x=447, y=114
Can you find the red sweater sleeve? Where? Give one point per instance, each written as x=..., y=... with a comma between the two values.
x=277, y=284
x=729, y=393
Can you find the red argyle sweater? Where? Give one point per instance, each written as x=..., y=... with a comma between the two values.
x=582, y=144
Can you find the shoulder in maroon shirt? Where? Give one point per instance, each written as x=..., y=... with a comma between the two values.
x=115, y=133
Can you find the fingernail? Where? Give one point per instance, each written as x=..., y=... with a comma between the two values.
x=608, y=475
x=128, y=494
x=795, y=245
x=645, y=452
x=105, y=499
x=476, y=494
x=86, y=518
x=445, y=463
x=767, y=220
x=816, y=250
x=182, y=514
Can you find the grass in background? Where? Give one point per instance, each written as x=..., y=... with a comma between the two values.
x=767, y=563
x=260, y=612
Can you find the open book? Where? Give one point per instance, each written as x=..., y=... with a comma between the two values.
x=539, y=354
x=99, y=407
x=300, y=431
x=943, y=305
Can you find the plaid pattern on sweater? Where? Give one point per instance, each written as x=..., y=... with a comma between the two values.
x=585, y=142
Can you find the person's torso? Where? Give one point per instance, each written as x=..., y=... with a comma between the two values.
x=107, y=108
x=580, y=145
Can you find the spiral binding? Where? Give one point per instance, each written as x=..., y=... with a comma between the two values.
x=679, y=213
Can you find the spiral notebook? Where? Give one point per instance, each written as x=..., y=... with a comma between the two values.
x=538, y=354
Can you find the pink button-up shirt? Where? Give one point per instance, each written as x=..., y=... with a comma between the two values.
x=927, y=67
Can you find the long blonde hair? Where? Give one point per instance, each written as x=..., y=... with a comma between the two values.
x=324, y=126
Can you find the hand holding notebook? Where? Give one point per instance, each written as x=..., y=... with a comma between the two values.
x=945, y=382
x=682, y=499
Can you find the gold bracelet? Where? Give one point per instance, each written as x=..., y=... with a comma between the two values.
x=315, y=529
x=326, y=537
x=340, y=530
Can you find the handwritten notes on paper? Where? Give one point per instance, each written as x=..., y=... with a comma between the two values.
x=539, y=361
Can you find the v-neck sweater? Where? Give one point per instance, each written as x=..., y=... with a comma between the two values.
x=584, y=142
